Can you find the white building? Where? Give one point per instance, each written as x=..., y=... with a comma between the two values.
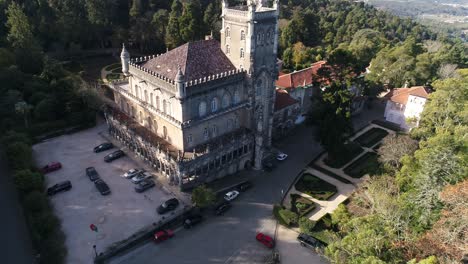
x=404, y=104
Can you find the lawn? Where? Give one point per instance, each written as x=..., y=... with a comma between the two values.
x=371, y=137
x=366, y=164
x=301, y=205
x=350, y=151
x=315, y=187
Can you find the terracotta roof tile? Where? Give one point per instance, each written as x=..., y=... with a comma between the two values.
x=197, y=60
x=401, y=95
x=299, y=78
x=283, y=99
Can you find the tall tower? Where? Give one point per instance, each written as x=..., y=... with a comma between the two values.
x=249, y=38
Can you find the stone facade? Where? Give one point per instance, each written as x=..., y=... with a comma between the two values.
x=205, y=109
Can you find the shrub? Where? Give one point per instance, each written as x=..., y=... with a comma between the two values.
x=289, y=217
x=203, y=196
x=19, y=155
x=53, y=250
x=44, y=223
x=28, y=181
x=13, y=136
x=301, y=205
x=306, y=225
x=315, y=187
x=35, y=202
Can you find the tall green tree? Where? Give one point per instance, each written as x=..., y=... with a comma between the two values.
x=173, y=36
x=191, y=23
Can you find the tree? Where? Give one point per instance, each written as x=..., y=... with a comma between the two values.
x=19, y=155
x=190, y=23
x=22, y=108
x=203, y=196
x=394, y=147
x=173, y=37
x=27, y=181
x=306, y=225
x=20, y=34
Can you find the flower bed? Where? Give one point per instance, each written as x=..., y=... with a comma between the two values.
x=371, y=137
x=315, y=187
x=301, y=205
x=366, y=164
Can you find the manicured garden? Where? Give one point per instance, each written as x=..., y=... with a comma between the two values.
x=371, y=137
x=315, y=187
x=301, y=205
x=113, y=76
x=330, y=174
x=366, y=164
x=350, y=151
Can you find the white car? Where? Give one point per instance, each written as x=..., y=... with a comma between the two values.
x=131, y=173
x=281, y=156
x=231, y=195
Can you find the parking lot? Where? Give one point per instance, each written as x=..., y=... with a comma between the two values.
x=117, y=216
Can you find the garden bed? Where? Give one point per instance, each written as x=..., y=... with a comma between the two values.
x=315, y=187
x=331, y=174
x=371, y=137
x=366, y=164
x=350, y=151
x=301, y=205
x=113, y=76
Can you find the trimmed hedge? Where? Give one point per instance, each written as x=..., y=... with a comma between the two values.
x=371, y=137
x=366, y=164
x=331, y=174
x=315, y=187
x=350, y=151
x=301, y=205
x=284, y=216
x=306, y=225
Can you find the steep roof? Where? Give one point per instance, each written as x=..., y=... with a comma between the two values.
x=299, y=78
x=283, y=99
x=401, y=95
x=196, y=59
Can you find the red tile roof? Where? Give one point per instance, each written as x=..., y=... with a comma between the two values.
x=299, y=78
x=283, y=99
x=197, y=60
x=401, y=95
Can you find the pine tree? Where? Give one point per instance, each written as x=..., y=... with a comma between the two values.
x=173, y=38
x=190, y=22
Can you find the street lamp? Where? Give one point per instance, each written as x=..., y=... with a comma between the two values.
x=95, y=251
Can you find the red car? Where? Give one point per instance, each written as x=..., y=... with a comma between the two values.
x=53, y=166
x=265, y=240
x=163, y=235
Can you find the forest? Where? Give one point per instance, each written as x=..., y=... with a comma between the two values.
x=408, y=211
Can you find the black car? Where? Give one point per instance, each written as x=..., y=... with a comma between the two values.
x=192, y=220
x=144, y=185
x=223, y=207
x=59, y=187
x=92, y=173
x=103, y=147
x=308, y=241
x=102, y=187
x=243, y=186
x=114, y=155
x=168, y=205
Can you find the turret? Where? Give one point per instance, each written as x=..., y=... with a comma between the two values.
x=125, y=60
x=179, y=82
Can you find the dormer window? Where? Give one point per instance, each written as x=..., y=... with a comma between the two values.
x=242, y=35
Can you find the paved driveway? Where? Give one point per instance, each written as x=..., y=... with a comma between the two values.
x=117, y=215
x=231, y=238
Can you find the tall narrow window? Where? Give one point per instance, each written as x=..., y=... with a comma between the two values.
x=228, y=32
x=151, y=99
x=205, y=133
x=158, y=103
x=165, y=132
x=189, y=138
x=146, y=96
x=228, y=49
x=242, y=53
x=164, y=106
x=226, y=100
x=236, y=97
x=242, y=35
x=214, y=105
x=214, y=130
x=202, y=109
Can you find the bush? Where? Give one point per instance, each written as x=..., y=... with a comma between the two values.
x=349, y=151
x=35, y=202
x=203, y=196
x=289, y=217
x=301, y=205
x=315, y=187
x=306, y=225
x=53, y=250
x=19, y=155
x=28, y=181
x=13, y=136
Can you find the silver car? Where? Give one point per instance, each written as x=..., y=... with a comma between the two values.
x=131, y=173
x=141, y=176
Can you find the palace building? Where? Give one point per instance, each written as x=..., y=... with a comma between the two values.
x=203, y=110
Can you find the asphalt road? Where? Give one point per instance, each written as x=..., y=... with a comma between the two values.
x=15, y=243
x=231, y=238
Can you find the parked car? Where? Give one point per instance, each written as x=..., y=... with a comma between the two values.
x=131, y=173
x=103, y=147
x=92, y=173
x=53, y=166
x=163, y=235
x=141, y=176
x=281, y=156
x=168, y=205
x=243, y=186
x=192, y=220
x=222, y=208
x=102, y=187
x=59, y=187
x=114, y=155
x=144, y=185
x=308, y=241
x=265, y=240
x=229, y=196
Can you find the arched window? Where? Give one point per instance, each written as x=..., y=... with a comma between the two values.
x=158, y=103
x=226, y=100
x=133, y=112
x=128, y=109
x=155, y=126
x=237, y=98
x=214, y=105
x=242, y=53
x=164, y=106
x=202, y=108
x=228, y=49
x=228, y=32
x=205, y=133
x=151, y=99
x=149, y=122
x=242, y=35
x=214, y=131
x=146, y=96
x=169, y=108
x=140, y=117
